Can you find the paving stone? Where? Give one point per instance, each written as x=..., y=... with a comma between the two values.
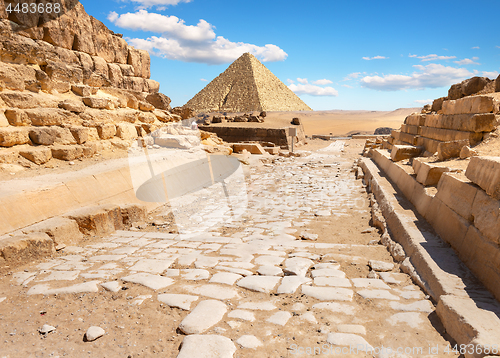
x=412, y=319
x=326, y=265
x=240, y=265
x=297, y=266
x=258, y=306
x=107, y=258
x=332, y=281
x=124, y=250
x=195, y=274
x=269, y=270
x=377, y=294
x=369, y=283
x=268, y=260
x=411, y=295
x=214, y=291
x=226, y=278
x=152, y=266
x=336, y=307
x=205, y=315
x=61, y=276
x=280, y=318
x=309, y=317
x=264, y=284
x=323, y=213
x=351, y=328
x=153, y=282
x=418, y=306
x=234, y=324
x=93, y=333
x=187, y=260
x=328, y=293
x=113, y=286
x=249, y=342
x=44, y=289
x=172, y=272
x=349, y=339
x=327, y=273
x=380, y=265
x=238, y=271
x=206, y=262
x=242, y=314
x=206, y=346
x=392, y=278
x=177, y=300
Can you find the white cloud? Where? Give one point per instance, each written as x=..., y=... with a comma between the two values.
x=302, y=80
x=423, y=101
x=430, y=76
x=468, y=61
x=203, y=80
x=375, y=58
x=475, y=48
x=313, y=90
x=432, y=57
x=290, y=81
x=351, y=76
x=491, y=74
x=322, y=82
x=189, y=43
x=347, y=86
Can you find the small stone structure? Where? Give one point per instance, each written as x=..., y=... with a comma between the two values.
x=246, y=85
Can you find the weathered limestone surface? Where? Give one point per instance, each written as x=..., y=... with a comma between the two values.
x=485, y=172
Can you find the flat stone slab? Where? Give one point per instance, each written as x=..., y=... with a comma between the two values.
x=269, y=270
x=238, y=271
x=214, y=291
x=242, y=314
x=412, y=319
x=113, y=286
x=332, y=281
x=268, y=260
x=309, y=317
x=327, y=265
x=327, y=272
x=323, y=213
x=178, y=300
x=107, y=258
x=258, y=306
x=151, y=266
x=351, y=328
x=206, y=262
x=249, y=342
x=370, y=283
x=195, y=274
x=378, y=294
x=290, y=284
x=205, y=315
x=44, y=289
x=297, y=266
x=349, y=339
x=392, y=278
x=418, y=306
x=264, y=284
x=206, y=346
x=328, y=293
x=280, y=318
x=226, y=278
x=380, y=265
x=154, y=282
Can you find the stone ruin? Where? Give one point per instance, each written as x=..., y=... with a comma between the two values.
x=446, y=162
x=71, y=88
x=246, y=85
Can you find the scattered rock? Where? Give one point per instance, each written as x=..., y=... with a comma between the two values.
x=205, y=346
x=93, y=333
x=46, y=329
x=380, y=265
x=205, y=315
x=249, y=342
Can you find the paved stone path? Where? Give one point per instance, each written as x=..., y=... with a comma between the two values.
x=247, y=288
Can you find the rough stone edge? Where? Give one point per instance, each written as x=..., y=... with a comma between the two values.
x=458, y=312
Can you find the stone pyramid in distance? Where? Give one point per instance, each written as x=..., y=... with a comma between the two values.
x=246, y=85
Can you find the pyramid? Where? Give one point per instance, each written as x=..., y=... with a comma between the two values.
x=246, y=85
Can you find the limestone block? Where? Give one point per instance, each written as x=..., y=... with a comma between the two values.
x=17, y=117
x=84, y=90
x=146, y=117
x=458, y=194
x=152, y=86
x=72, y=106
x=486, y=213
x=146, y=106
x=97, y=220
x=81, y=134
x=103, y=41
x=51, y=135
x=415, y=119
x=60, y=230
x=253, y=148
x=485, y=172
x=428, y=144
x=19, y=49
x=447, y=150
x=106, y=130
x=467, y=152
x=93, y=134
x=127, y=70
x=46, y=116
x=98, y=102
x=67, y=152
x=115, y=75
x=429, y=174
x=97, y=80
x=437, y=104
x=10, y=136
x=10, y=77
x=60, y=72
x=133, y=213
x=37, y=155
x=126, y=131
x=100, y=66
x=121, y=50
x=400, y=152
x=485, y=122
x=134, y=83
x=162, y=116
x=473, y=104
x=8, y=156
x=24, y=248
x=447, y=135
x=407, y=128
x=408, y=138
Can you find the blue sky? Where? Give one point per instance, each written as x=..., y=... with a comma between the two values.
x=364, y=54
